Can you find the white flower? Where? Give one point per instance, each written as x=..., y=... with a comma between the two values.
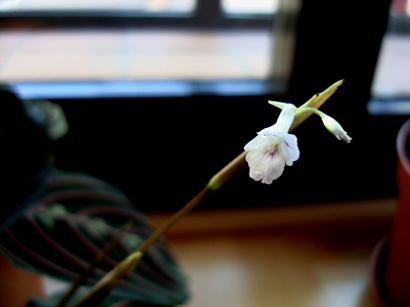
x=272, y=148
x=282, y=105
x=335, y=128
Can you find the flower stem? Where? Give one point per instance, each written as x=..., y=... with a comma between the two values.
x=315, y=102
x=100, y=290
x=310, y=110
x=229, y=171
x=90, y=269
x=103, y=287
x=175, y=218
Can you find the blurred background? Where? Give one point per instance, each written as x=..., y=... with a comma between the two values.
x=159, y=95
x=138, y=79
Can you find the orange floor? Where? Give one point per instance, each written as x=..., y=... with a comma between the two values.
x=309, y=256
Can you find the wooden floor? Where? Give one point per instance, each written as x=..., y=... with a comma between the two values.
x=289, y=270
x=307, y=256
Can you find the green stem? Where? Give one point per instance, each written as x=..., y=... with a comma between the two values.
x=102, y=288
x=105, y=285
x=310, y=110
x=229, y=171
x=90, y=268
x=315, y=102
x=175, y=218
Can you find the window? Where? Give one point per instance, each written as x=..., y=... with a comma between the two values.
x=124, y=42
x=161, y=6
x=391, y=86
x=151, y=73
x=261, y=7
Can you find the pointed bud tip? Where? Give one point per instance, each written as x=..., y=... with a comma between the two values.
x=348, y=139
x=340, y=82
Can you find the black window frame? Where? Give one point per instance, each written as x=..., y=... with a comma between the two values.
x=207, y=14
x=328, y=170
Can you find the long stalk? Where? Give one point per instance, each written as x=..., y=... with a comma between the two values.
x=101, y=289
x=91, y=267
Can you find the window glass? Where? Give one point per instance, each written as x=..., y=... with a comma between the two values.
x=140, y=5
x=250, y=7
x=392, y=72
x=47, y=55
x=197, y=40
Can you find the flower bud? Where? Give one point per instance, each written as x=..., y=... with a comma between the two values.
x=335, y=128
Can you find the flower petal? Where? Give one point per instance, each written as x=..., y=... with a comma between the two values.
x=281, y=105
x=256, y=143
x=290, y=144
x=265, y=166
x=274, y=170
x=272, y=148
x=285, y=119
x=257, y=161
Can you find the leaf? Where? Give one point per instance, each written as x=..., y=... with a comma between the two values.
x=62, y=231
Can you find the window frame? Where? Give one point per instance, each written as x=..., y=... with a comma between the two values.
x=207, y=14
